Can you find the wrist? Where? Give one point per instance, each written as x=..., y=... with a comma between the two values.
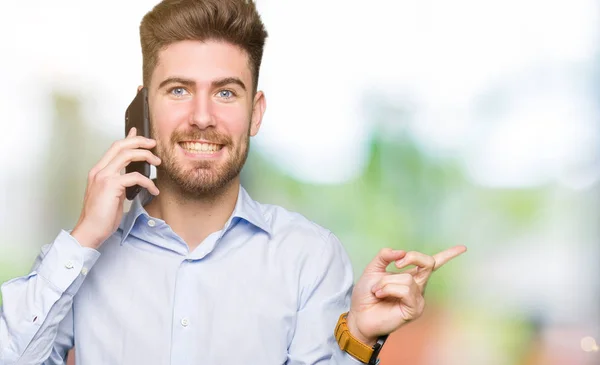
x=356, y=333
x=85, y=237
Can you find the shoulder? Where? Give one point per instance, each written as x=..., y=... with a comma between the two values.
x=286, y=224
x=293, y=231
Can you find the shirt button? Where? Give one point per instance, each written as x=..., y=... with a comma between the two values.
x=84, y=271
x=151, y=223
x=185, y=322
x=69, y=264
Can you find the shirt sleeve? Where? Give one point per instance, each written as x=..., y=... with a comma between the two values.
x=36, y=324
x=327, y=295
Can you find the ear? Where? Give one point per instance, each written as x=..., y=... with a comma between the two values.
x=258, y=110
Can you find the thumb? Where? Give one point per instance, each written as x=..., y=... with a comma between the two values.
x=384, y=257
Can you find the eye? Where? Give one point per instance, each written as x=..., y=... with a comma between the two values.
x=178, y=91
x=226, y=94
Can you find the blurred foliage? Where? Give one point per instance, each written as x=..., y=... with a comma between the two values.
x=74, y=149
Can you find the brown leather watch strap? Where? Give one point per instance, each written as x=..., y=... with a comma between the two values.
x=351, y=344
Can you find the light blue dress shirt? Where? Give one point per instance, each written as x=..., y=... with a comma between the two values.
x=267, y=289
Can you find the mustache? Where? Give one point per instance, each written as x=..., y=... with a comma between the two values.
x=207, y=134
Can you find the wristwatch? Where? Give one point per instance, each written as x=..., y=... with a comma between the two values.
x=353, y=346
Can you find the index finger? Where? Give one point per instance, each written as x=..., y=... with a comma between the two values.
x=443, y=257
x=130, y=142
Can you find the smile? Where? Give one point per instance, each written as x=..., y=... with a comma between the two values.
x=201, y=147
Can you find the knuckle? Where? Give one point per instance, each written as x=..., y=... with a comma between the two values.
x=386, y=280
x=101, y=176
x=384, y=251
x=430, y=261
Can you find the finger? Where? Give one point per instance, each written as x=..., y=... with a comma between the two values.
x=447, y=255
x=132, y=132
x=383, y=259
x=131, y=142
x=424, y=265
x=135, y=178
x=128, y=156
x=399, y=279
x=421, y=260
x=404, y=293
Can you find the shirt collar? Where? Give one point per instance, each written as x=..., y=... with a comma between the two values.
x=251, y=211
x=245, y=208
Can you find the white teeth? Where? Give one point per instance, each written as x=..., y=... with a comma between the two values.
x=196, y=147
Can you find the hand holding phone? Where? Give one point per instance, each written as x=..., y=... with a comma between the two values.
x=107, y=188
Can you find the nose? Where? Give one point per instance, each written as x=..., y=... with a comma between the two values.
x=202, y=112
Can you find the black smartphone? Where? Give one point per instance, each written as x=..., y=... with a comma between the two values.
x=138, y=115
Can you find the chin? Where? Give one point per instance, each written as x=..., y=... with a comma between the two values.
x=203, y=182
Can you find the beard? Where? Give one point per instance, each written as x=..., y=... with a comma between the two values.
x=200, y=179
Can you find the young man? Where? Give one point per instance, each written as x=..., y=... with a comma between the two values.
x=197, y=272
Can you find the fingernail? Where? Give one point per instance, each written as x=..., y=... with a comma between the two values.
x=378, y=293
x=400, y=262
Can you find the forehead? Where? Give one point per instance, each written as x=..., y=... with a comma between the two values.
x=202, y=62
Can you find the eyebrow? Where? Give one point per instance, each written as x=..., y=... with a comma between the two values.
x=190, y=83
x=227, y=81
x=176, y=80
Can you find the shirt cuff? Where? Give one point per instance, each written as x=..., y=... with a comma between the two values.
x=343, y=358
x=66, y=263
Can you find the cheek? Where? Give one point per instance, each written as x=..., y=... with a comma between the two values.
x=235, y=120
x=166, y=117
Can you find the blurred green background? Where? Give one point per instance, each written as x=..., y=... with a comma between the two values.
x=459, y=129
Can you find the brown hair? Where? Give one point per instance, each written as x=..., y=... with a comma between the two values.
x=233, y=21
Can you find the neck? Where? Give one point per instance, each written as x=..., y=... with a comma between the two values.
x=193, y=218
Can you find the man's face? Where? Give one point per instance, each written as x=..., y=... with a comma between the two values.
x=203, y=112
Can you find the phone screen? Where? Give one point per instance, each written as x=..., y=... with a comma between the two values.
x=138, y=115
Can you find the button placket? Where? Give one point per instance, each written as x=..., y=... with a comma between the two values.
x=184, y=322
